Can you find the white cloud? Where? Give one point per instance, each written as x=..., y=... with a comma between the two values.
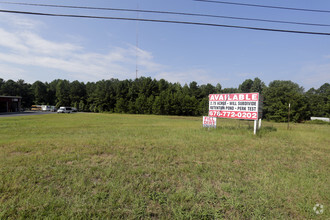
x=145, y=60
x=39, y=45
x=20, y=21
x=21, y=45
x=11, y=41
x=27, y=42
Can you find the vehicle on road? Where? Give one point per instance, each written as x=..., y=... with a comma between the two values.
x=64, y=110
x=49, y=108
x=36, y=108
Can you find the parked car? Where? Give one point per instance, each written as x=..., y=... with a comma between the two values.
x=64, y=110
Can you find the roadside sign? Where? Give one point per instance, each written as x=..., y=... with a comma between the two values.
x=235, y=105
x=209, y=122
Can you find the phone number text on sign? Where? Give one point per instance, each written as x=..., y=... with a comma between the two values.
x=234, y=114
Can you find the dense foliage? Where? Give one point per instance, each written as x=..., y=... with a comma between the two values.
x=151, y=96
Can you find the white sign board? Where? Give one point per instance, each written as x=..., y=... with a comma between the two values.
x=235, y=105
x=209, y=122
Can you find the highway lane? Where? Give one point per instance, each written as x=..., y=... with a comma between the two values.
x=27, y=113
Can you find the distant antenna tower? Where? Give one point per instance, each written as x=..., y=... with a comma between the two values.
x=137, y=40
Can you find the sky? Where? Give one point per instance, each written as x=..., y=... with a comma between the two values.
x=46, y=48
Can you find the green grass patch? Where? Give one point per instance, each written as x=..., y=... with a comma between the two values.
x=319, y=122
x=138, y=166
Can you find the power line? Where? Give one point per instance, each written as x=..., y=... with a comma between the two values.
x=265, y=6
x=164, y=21
x=167, y=12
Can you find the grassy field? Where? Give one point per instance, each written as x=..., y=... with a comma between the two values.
x=162, y=167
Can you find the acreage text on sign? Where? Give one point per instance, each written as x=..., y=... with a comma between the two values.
x=235, y=105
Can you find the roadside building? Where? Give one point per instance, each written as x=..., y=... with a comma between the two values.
x=10, y=103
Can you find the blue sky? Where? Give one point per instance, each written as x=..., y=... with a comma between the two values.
x=47, y=48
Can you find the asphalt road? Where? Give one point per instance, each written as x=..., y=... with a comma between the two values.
x=15, y=114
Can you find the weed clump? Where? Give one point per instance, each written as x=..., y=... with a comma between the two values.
x=317, y=122
x=266, y=130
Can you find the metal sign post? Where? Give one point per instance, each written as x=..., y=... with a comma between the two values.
x=289, y=116
x=255, y=128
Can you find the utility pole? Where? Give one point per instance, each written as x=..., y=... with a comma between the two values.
x=137, y=40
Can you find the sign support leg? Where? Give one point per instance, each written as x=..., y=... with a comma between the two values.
x=255, y=127
x=259, y=123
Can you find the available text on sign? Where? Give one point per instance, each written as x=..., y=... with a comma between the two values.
x=234, y=105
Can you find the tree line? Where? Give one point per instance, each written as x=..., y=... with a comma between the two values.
x=150, y=96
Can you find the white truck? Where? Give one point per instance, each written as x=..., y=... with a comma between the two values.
x=65, y=110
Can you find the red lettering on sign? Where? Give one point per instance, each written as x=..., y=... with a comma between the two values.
x=234, y=114
x=234, y=97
